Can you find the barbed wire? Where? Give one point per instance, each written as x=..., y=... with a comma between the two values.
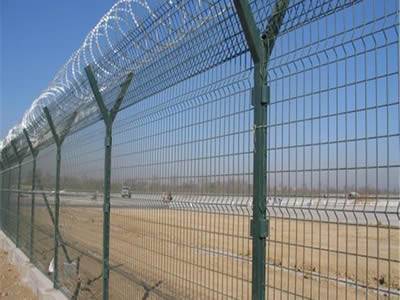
x=161, y=43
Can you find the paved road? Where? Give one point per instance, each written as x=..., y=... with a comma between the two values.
x=382, y=211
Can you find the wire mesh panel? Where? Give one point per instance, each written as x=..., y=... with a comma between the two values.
x=6, y=179
x=4, y=191
x=81, y=214
x=43, y=243
x=333, y=157
x=183, y=149
x=25, y=205
x=11, y=203
x=5, y=184
x=16, y=222
x=181, y=188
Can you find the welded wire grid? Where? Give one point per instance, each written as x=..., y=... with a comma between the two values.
x=182, y=162
x=333, y=157
x=186, y=156
x=8, y=203
x=81, y=212
x=43, y=228
x=24, y=215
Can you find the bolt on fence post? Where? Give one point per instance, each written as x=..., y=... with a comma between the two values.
x=34, y=153
x=19, y=159
x=260, y=46
x=109, y=117
x=58, y=139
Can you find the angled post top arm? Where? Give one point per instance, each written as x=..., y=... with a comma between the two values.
x=96, y=92
x=261, y=44
x=4, y=160
x=30, y=145
x=4, y=155
x=274, y=24
x=68, y=126
x=251, y=32
x=108, y=116
x=124, y=88
x=59, y=138
x=15, y=149
x=51, y=125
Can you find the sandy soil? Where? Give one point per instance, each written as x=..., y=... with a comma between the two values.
x=10, y=284
x=162, y=253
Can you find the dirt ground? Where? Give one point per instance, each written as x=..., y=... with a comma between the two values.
x=11, y=286
x=161, y=253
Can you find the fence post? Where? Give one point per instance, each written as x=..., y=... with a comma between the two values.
x=34, y=153
x=108, y=117
x=19, y=159
x=58, y=139
x=260, y=46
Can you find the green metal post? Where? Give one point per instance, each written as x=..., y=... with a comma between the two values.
x=57, y=213
x=58, y=139
x=106, y=210
x=56, y=193
x=34, y=153
x=18, y=192
x=109, y=117
x=260, y=46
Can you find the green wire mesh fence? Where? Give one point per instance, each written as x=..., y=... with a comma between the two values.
x=182, y=175
x=333, y=159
